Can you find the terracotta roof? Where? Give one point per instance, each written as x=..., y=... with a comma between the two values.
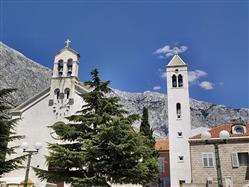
x=228, y=127
x=162, y=144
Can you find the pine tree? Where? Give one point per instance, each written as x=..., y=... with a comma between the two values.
x=7, y=134
x=99, y=145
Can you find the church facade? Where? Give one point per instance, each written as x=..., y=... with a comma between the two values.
x=48, y=108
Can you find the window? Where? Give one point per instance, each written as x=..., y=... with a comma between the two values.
x=208, y=159
x=240, y=159
x=209, y=181
x=235, y=160
x=179, y=134
x=174, y=83
x=178, y=110
x=161, y=164
x=239, y=130
x=180, y=158
x=67, y=92
x=243, y=159
x=69, y=67
x=60, y=68
x=180, y=81
x=57, y=93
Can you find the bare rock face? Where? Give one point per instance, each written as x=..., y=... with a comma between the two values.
x=29, y=77
x=203, y=114
x=17, y=71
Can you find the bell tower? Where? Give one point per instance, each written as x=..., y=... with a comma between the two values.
x=64, y=79
x=179, y=121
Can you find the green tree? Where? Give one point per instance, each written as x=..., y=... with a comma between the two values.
x=99, y=145
x=146, y=131
x=145, y=125
x=7, y=134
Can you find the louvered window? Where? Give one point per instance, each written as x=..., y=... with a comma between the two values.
x=235, y=160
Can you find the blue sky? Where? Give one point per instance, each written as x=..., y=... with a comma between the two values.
x=120, y=39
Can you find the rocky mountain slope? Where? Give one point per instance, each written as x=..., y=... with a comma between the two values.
x=18, y=71
x=29, y=78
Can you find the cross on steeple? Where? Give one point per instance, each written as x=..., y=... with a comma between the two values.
x=175, y=50
x=67, y=42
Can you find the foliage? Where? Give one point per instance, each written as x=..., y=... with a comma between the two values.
x=7, y=135
x=99, y=146
x=145, y=126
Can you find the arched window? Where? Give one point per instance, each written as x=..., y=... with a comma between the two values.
x=174, y=83
x=180, y=81
x=69, y=67
x=239, y=130
x=178, y=110
x=57, y=93
x=67, y=92
x=60, y=68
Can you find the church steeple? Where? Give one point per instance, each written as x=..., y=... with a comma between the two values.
x=179, y=121
x=64, y=79
x=66, y=62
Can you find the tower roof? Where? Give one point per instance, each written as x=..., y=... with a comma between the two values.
x=176, y=61
x=68, y=48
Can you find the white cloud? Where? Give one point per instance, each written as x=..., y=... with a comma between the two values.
x=157, y=88
x=163, y=75
x=168, y=51
x=194, y=76
x=206, y=85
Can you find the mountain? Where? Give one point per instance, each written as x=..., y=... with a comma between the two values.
x=203, y=114
x=29, y=77
x=22, y=73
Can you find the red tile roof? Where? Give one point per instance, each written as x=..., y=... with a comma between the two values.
x=162, y=144
x=228, y=127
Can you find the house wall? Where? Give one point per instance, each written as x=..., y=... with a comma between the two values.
x=165, y=176
x=239, y=176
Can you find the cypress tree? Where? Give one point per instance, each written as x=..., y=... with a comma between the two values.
x=7, y=134
x=145, y=126
x=99, y=146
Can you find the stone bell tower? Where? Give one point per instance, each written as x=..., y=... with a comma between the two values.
x=64, y=79
x=179, y=121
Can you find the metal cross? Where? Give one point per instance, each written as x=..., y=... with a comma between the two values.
x=67, y=42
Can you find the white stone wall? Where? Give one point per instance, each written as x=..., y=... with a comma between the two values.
x=179, y=146
x=35, y=119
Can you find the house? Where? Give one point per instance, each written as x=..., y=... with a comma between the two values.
x=233, y=154
x=162, y=146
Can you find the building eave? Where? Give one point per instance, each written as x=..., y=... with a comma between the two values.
x=69, y=49
x=218, y=140
x=176, y=61
x=36, y=98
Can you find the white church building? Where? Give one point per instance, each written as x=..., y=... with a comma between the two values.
x=62, y=99
x=47, y=108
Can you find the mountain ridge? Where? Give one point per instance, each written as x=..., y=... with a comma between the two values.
x=30, y=77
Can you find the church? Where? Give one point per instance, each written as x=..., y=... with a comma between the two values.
x=47, y=108
x=62, y=98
